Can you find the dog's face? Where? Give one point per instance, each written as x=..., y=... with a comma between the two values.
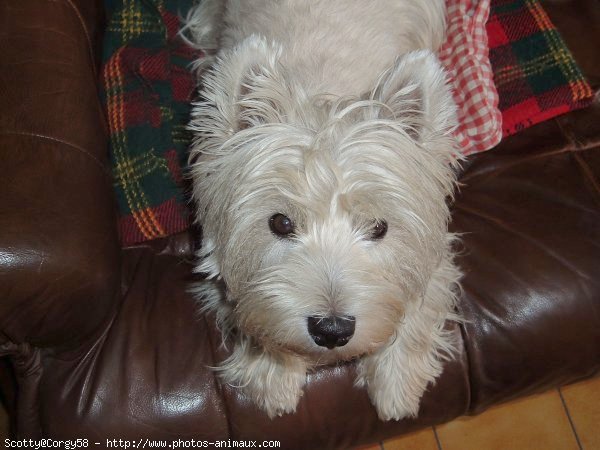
x=324, y=217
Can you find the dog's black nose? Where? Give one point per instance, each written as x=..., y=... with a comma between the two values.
x=331, y=332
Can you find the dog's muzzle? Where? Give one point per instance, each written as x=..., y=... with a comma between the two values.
x=331, y=332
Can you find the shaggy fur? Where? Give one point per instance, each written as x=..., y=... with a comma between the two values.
x=338, y=116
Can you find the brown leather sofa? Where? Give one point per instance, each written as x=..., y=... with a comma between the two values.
x=103, y=343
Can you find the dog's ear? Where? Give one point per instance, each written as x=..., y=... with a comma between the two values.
x=262, y=96
x=415, y=92
x=247, y=86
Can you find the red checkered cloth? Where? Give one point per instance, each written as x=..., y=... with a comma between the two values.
x=464, y=54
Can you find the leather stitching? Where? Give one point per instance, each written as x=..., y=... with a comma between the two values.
x=86, y=32
x=59, y=141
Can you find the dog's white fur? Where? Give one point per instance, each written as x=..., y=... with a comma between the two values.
x=335, y=113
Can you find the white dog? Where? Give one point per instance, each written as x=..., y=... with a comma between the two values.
x=322, y=164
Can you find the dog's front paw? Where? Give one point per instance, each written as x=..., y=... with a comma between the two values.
x=390, y=395
x=276, y=395
x=391, y=401
x=273, y=381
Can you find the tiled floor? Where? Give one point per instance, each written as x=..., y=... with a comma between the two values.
x=563, y=419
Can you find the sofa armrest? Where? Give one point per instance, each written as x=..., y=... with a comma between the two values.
x=59, y=250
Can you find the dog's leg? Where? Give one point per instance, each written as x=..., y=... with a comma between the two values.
x=273, y=380
x=397, y=375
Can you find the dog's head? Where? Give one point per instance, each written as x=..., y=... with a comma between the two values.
x=324, y=217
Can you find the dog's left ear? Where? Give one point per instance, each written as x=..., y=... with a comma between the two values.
x=415, y=92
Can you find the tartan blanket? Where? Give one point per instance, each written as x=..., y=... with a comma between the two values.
x=147, y=89
x=535, y=75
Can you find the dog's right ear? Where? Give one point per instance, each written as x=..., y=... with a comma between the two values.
x=246, y=86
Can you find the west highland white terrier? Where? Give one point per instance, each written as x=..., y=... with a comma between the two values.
x=323, y=163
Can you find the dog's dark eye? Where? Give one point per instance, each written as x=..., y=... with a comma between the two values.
x=378, y=230
x=281, y=225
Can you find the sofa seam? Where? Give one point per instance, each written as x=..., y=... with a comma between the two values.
x=588, y=176
x=215, y=380
x=24, y=376
x=59, y=141
x=86, y=32
x=467, y=360
x=469, y=177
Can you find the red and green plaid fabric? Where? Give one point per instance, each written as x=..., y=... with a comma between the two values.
x=147, y=89
x=534, y=72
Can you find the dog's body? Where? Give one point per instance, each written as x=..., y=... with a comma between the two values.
x=322, y=162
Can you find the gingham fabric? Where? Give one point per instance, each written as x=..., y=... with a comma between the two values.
x=464, y=54
x=147, y=89
x=534, y=72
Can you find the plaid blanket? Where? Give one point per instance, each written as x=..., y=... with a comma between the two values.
x=147, y=90
x=534, y=73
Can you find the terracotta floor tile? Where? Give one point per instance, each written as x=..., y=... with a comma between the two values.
x=533, y=423
x=583, y=403
x=369, y=447
x=420, y=440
